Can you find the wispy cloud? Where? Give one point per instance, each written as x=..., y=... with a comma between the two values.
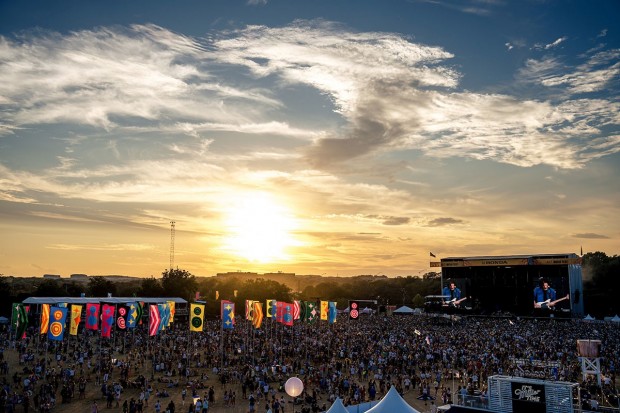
x=437, y=222
x=590, y=235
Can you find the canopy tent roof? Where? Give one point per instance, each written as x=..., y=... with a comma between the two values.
x=337, y=407
x=588, y=317
x=405, y=310
x=393, y=403
x=616, y=319
x=109, y=300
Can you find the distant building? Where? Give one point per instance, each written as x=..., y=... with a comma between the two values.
x=78, y=276
x=51, y=276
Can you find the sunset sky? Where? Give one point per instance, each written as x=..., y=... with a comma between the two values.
x=318, y=137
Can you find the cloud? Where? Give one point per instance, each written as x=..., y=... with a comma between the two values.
x=438, y=222
x=552, y=45
x=590, y=235
x=387, y=93
x=257, y=2
x=102, y=247
x=602, y=33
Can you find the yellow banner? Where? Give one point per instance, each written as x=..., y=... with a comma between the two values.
x=196, y=316
x=171, y=304
x=76, y=316
x=324, y=309
x=436, y=264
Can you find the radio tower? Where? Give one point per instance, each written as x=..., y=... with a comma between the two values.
x=171, y=244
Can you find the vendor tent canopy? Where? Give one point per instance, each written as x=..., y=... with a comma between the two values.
x=393, y=403
x=337, y=407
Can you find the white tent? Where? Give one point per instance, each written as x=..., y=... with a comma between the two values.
x=616, y=319
x=393, y=403
x=337, y=407
x=404, y=310
x=588, y=318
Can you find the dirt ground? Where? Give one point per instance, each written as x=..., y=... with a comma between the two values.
x=93, y=394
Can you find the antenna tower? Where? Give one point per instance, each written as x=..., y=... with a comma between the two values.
x=172, y=223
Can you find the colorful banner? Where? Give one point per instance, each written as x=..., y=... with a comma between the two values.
x=332, y=313
x=324, y=310
x=171, y=306
x=121, y=317
x=76, y=317
x=58, y=319
x=21, y=320
x=45, y=318
x=92, y=316
x=132, y=315
x=296, y=310
x=196, y=317
x=249, y=309
x=228, y=314
x=154, y=319
x=279, y=311
x=163, y=317
x=257, y=316
x=107, y=320
x=287, y=314
x=310, y=314
x=270, y=308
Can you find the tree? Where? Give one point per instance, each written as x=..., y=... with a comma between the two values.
x=100, y=287
x=50, y=288
x=150, y=287
x=179, y=283
x=418, y=301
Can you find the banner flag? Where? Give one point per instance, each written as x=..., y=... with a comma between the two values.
x=324, y=309
x=58, y=318
x=45, y=318
x=279, y=311
x=311, y=313
x=154, y=319
x=132, y=315
x=163, y=316
x=270, y=308
x=107, y=320
x=121, y=319
x=92, y=316
x=21, y=321
x=228, y=314
x=249, y=309
x=257, y=316
x=287, y=317
x=76, y=317
x=196, y=317
x=171, y=305
x=354, y=310
x=296, y=310
x=332, y=313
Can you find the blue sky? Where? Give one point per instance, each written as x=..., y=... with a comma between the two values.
x=328, y=137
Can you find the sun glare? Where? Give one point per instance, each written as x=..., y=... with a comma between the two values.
x=259, y=229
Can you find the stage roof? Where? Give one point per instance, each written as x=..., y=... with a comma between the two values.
x=112, y=300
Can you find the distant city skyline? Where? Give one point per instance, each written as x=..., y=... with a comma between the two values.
x=328, y=138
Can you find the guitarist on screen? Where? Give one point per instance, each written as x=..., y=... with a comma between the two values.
x=545, y=296
x=451, y=295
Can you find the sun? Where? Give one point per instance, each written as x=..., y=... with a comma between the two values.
x=259, y=228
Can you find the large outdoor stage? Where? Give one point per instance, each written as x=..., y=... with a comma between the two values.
x=494, y=284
